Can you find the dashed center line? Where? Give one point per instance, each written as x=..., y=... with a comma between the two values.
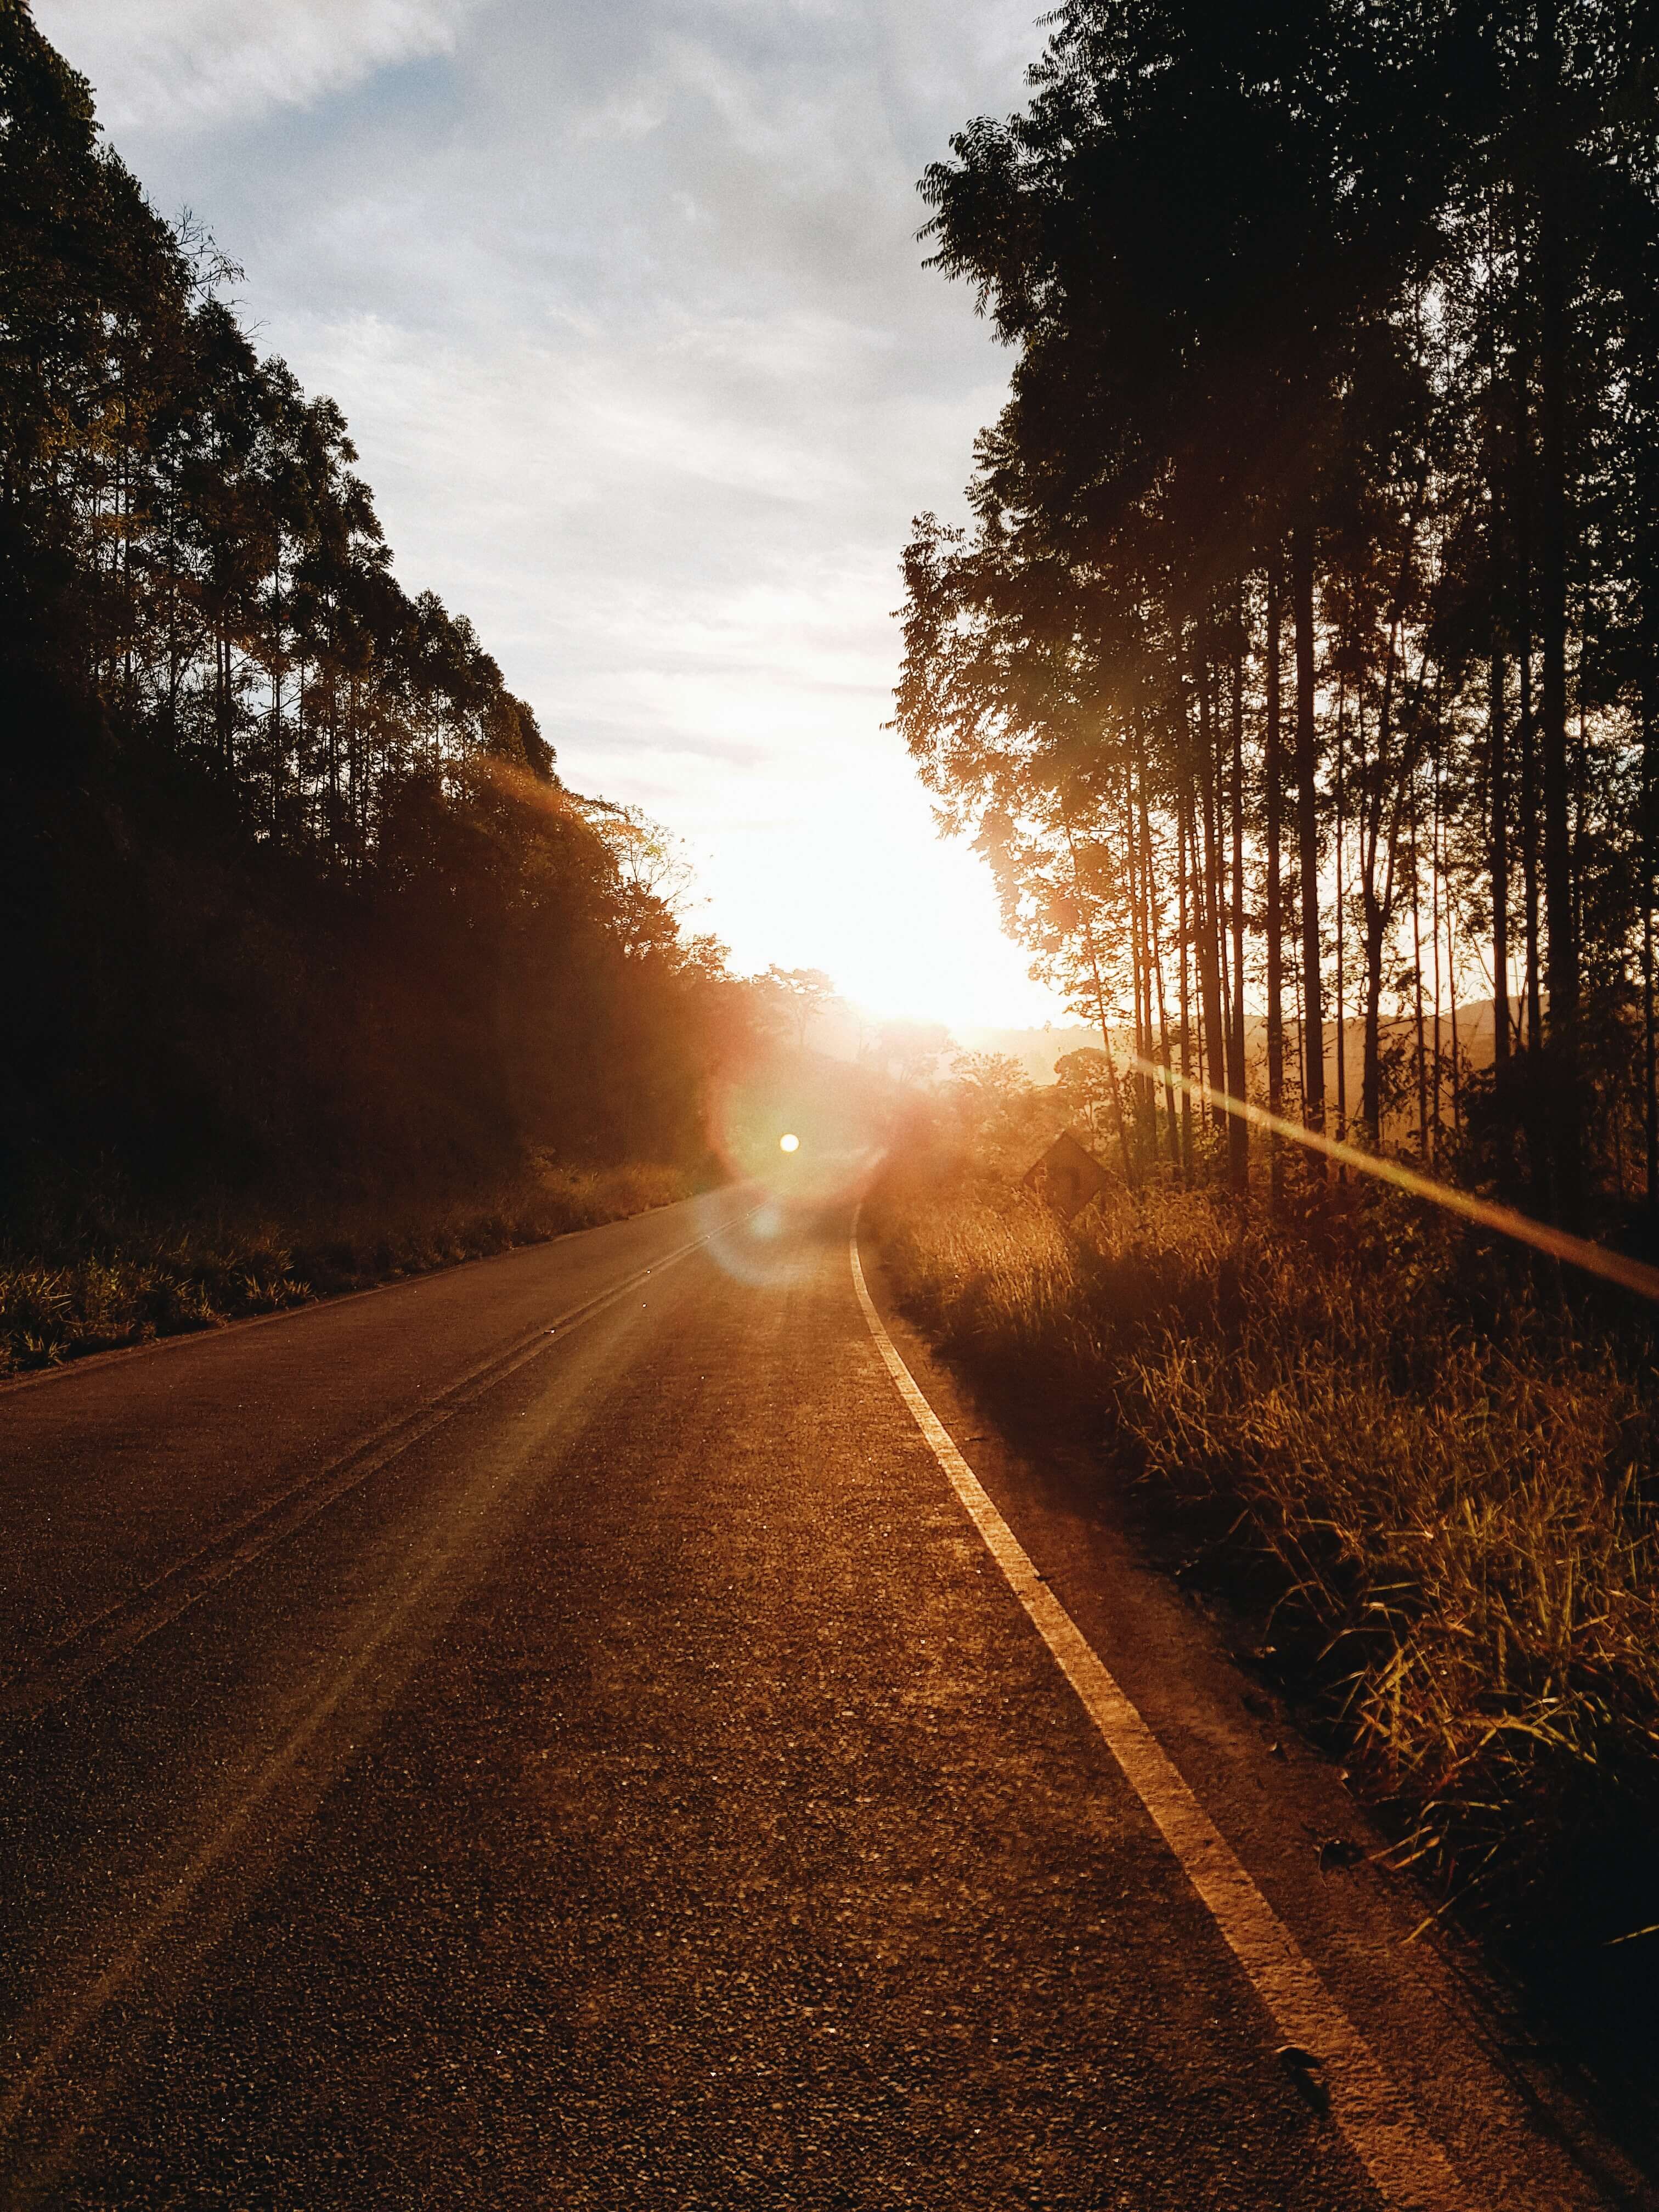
x=95, y=1644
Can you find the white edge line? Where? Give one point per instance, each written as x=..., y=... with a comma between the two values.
x=1407, y=2165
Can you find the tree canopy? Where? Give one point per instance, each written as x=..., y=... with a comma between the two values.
x=1296, y=671
x=289, y=876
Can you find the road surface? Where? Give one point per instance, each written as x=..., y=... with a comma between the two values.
x=553, y=1733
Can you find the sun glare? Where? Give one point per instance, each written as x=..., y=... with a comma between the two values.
x=848, y=873
x=788, y=1144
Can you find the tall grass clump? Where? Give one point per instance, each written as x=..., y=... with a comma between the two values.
x=86, y=1270
x=1433, y=1486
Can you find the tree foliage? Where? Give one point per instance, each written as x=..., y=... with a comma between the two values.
x=289, y=877
x=1295, y=672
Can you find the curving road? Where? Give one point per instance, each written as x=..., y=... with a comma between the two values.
x=552, y=1733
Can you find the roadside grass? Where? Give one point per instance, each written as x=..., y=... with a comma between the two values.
x=87, y=1272
x=1429, y=1488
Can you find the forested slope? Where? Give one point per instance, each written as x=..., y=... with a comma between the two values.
x=293, y=896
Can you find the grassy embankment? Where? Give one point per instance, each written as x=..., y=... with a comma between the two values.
x=115, y=1273
x=1425, y=1486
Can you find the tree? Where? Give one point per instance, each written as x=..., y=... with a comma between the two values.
x=1086, y=1085
x=1336, y=321
x=988, y=1089
x=289, y=877
x=804, y=993
x=911, y=1051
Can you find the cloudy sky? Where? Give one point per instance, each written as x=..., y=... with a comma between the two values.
x=625, y=308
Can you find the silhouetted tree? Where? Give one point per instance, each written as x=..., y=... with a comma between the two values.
x=1307, y=601
x=289, y=878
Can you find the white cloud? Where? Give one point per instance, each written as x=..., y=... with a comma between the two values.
x=626, y=311
x=163, y=63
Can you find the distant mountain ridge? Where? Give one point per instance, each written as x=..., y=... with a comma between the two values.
x=841, y=1031
x=1037, y=1050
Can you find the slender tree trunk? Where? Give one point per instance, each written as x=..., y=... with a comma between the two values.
x=124, y=510
x=1417, y=995
x=1500, y=867
x=1375, y=912
x=1497, y=731
x=1132, y=914
x=222, y=706
x=1307, y=807
x=275, y=703
x=1527, y=723
x=1302, y=1043
x=1238, y=1129
x=1371, y=1106
x=1456, y=1055
x=1274, y=772
x=1341, y=944
x=1186, y=995
x=175, y=675
x=1496, y=686
x=354, y=775
x=1149, y=872
x=1562, y=968
x=1533, y=914
x=1223, y=1043
x=1434, y=925
x=300, y=745
x=1209, y=918
x=1650, y=1044
x=1100, y=1009
x=1195, y=910
x=1146, y=1082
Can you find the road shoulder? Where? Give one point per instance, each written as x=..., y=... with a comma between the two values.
x=1443, y=2029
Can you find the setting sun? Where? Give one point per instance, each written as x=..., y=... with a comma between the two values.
x=848, y=873
x=788, y=1144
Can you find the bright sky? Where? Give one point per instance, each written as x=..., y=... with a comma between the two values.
x=626, y=311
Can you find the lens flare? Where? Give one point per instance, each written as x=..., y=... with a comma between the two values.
x=801, y=1140
x=1558, y=1243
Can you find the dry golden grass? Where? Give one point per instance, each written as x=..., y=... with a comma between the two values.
x=119, y=1279
x=1440, y=1495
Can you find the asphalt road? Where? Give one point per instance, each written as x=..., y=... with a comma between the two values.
x=551, y=1735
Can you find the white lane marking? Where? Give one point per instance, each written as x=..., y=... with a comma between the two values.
x=1407, y=2165
x=95, y=1644
x=84, y=2006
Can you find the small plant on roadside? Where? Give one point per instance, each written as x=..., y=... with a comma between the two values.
x=122, y=1277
